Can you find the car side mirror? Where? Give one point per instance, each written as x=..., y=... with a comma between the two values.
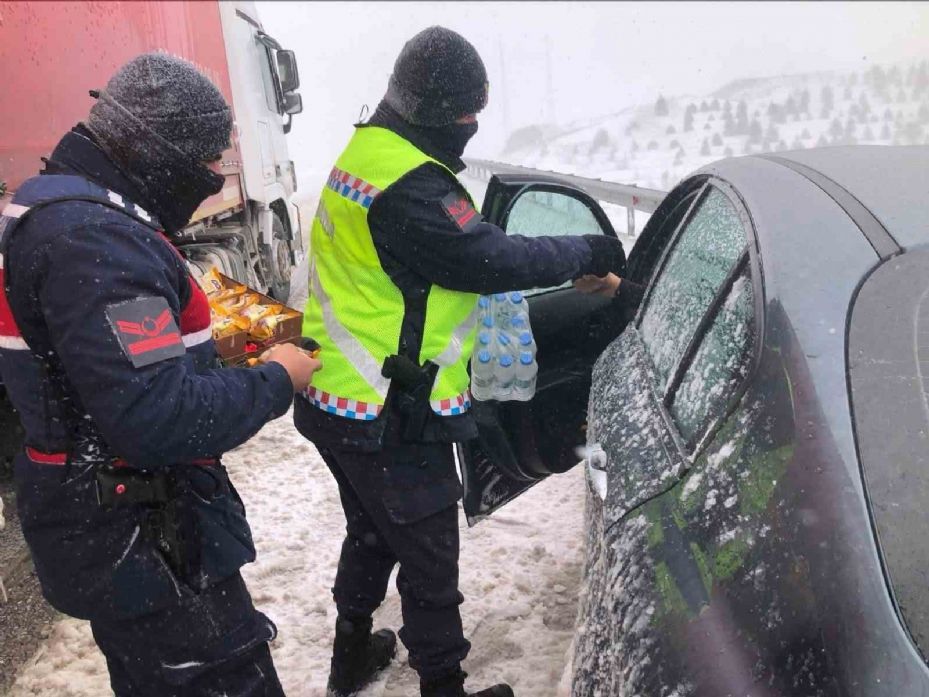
x=293, y=103
x=287, y=71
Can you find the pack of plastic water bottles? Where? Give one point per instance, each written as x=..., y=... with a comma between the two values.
x=503, y=365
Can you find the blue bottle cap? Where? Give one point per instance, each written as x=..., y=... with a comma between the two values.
x=483, y=302
x=503, y=339
x=488, y=320
x=518, y=322
x=506, y=361
x=525, y=338
x=484, y=356
x=499, y=297
x=525, y=358
x=516, y=297
x=484, y=338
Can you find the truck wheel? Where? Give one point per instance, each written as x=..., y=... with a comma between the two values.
x=279, y=263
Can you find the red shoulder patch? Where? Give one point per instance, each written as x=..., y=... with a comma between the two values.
x=146, y=330
x=461, y=211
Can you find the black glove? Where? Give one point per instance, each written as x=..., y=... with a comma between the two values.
x=607, y=255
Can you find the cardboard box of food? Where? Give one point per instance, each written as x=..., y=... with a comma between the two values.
x=240, y=344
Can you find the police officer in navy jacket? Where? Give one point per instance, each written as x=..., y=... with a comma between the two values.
x=107, y=354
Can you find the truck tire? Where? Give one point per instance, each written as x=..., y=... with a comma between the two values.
x=279, y=263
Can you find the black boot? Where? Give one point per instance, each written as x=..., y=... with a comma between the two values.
x=358, y=655
x=453, y=686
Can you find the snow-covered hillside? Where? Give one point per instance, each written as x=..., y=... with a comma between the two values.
x=655, y=145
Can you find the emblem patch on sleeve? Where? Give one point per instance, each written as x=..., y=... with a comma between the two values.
x=461, y=211
x=146, y=330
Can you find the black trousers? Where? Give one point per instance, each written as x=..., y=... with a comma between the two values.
x=212, y=643
x=400, y=506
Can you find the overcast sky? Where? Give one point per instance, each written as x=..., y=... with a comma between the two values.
x=603, y=56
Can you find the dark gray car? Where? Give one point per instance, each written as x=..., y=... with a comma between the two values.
x=757, y=461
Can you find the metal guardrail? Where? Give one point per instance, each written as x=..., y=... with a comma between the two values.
x=633, y=198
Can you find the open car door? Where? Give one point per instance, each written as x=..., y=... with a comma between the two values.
x=521, y=443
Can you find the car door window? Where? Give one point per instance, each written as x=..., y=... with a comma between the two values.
x=541, y=212
x=720, y=364
x=707, y=249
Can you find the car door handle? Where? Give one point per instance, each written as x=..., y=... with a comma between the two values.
x=595, y=462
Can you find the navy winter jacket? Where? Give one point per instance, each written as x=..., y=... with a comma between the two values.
x=106, y=352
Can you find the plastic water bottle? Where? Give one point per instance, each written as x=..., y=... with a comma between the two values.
x=482, y=376
x=527, y=343
x=505, y=374
x=519, y=323
x=484, y=340
x=526, y=372
x=504, y=310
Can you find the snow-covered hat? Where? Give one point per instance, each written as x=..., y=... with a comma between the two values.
x=438, y=78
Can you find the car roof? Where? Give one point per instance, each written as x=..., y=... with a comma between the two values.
x=891, y=181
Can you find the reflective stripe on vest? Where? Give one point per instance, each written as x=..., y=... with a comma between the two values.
x=355, y=311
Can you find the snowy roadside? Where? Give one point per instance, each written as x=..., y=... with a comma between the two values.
x=520, y=574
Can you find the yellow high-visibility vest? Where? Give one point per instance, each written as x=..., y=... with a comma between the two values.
x=355, y=311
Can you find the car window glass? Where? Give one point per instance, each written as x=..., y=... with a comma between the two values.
x=537, y=213
x=720, y=363
x=704, y=254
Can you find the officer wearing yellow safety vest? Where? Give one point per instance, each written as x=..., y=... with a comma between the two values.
x=398, y=256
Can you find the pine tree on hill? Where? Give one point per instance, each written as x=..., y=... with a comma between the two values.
x=806, y=134
x=796, y=144
x=675, y=144
x=717, y=140
x=868, y=134
x=790, y=107
x=888, y=114
x=827, y=101
x=741, y=119
x=727, y=152
x=923, y=114
x=661, y=106
x=705, y=148
x=781, y=146
x=821, y=141
x=835, y=128
x=689, y=118
x=728, y=124
x=704, y=106
x=848, y=93
x=754, y=132
x=885, y=132
x=804, y=106
x=863, y=104
x=652, y=145
x=670, y=130
x=771, y=132
x=715, y=105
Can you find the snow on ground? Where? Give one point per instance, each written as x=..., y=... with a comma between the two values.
x=520, y=574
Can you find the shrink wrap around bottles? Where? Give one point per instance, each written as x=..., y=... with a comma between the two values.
x=503, y=366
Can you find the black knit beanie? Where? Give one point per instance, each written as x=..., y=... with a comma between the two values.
x=438, y=78
x=158, y=120
x=170, y=97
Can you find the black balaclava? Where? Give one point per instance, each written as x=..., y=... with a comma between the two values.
x=159, y=119
x=438, y=78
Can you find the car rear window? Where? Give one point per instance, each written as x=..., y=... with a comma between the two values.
x=888, y=363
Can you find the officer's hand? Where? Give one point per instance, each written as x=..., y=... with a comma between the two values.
x=607, y=255
x=299, y=365
x=607, y=286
